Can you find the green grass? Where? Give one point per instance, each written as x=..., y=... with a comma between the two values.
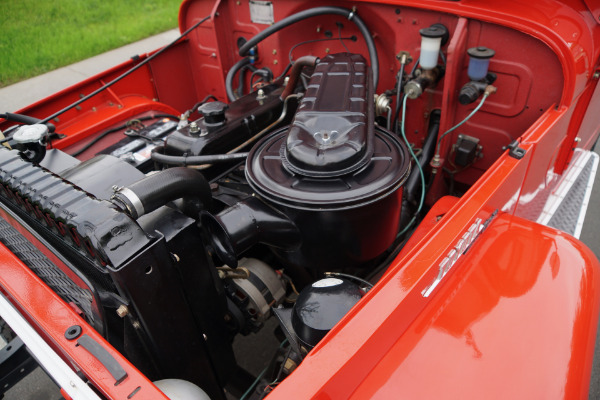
x=39, y=36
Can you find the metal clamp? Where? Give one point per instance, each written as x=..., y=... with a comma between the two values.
x=514, y=150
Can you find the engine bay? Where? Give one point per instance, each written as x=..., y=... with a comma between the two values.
x=268, y=200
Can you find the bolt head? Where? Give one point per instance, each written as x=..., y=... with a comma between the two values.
x=194, y=128
x=122, y=311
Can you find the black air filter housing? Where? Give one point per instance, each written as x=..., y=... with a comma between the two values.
x=332, y=181
x=335, y=174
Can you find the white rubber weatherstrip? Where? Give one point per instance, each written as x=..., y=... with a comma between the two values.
x=62, y=374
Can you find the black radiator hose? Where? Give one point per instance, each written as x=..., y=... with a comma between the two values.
x=246, y=223
x=156, y=190
x=27, y=120
x=410, y=188
x=313, y=12
x=304, y=61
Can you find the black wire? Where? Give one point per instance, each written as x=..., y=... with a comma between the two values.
x=204, y=100
x=414, y=68
x=285, y=71
x=443, y=57
x=117, y=79
x=252, y=78
x=252, y=83
x=264, y=76
x=399, y=87
x=12, y=128
x=6, y=132
x=194, y=160
x=339, y=24
x=287, y=355
x=113, y=130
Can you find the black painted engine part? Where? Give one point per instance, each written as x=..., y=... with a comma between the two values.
x=335, y=175
x=158, y=189
x=225, y=127
x=153, y=266
x=319, y=308
x=247, y=223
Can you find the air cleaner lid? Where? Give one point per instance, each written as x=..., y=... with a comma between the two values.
x=332, y=131
x=269, y=175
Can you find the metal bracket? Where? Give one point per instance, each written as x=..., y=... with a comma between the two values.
x=404, y=57
x=15, y=364
x=514, y=150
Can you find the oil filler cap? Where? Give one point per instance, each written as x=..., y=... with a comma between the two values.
x=214, y=113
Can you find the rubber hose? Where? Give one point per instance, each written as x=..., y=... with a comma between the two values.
x=26, y=119
x=156, y=190
x=313, y=12
x=195, y=160
x=304, y=61
x=231, y=74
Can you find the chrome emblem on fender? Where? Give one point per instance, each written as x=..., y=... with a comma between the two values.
x=459, y=249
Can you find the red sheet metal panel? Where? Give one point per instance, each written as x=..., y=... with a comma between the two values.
x=516, y=320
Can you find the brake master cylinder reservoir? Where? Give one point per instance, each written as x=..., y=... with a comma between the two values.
x=431, y=42
x=479, y=62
